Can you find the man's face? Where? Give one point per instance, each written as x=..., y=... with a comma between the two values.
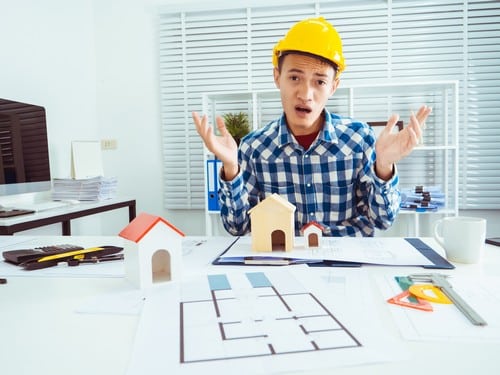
x=305, y=84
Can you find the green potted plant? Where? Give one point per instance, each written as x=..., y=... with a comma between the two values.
x=237, y=125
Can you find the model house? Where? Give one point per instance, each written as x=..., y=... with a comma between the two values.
x=312, y=232
x=272, y=225
x=157, y=258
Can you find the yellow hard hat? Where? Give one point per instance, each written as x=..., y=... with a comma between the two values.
x=315, y=36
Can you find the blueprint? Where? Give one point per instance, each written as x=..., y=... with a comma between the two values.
x=259, y=321
x=255, y=314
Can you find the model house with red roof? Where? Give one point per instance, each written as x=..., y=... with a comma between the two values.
x=157, y=258
x=312, y=232
x=272, y=225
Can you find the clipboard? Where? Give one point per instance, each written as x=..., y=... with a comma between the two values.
x=436, y=260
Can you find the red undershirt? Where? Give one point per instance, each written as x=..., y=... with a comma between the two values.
x=306, y=140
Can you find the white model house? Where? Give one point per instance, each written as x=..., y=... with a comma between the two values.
x=313, y=233
x=157, y=258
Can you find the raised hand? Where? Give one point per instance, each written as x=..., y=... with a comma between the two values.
x=223, y=146
x=392, y=147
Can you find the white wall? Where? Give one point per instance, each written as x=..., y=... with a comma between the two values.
x=93, y=64
x=48, y=59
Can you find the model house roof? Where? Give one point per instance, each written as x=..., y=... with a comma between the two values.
x=274, y=201
x=142, y=224
x=312, y=224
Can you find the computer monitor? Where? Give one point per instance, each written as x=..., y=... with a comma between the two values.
x=24, y=151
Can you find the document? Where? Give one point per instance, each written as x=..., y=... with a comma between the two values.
x=86, y=159
x=260, y=322
x=446, y=322
x=392, y=251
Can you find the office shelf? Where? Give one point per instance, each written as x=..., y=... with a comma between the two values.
x=434, y=162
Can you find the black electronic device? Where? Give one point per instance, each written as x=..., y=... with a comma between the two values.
x=493, y=241
x=49, y=256
x=24, y=150
x=4, y=213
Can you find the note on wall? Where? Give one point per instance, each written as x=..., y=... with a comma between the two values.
x=86, y=159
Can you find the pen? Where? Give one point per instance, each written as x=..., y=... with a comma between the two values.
x=76, y=262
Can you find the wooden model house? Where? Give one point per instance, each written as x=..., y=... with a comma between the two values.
x=272, y=225
x=313, y=232
x=157, y=258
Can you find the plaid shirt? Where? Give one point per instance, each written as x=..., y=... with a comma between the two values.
x=332, y=183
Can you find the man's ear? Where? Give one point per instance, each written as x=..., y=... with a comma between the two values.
x=335, y=84
x=276, y=74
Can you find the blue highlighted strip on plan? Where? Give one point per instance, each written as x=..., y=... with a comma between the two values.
x=258, y=280
x=218, y=282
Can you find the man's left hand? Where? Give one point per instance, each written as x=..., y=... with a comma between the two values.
x=392, y=147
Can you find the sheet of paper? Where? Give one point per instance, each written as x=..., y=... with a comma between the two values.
x=197, y=251
x=200, y=251
x=446, y=322
x=127, y=301
x=7, y=242
x=255, y=322
x=369, y=250
x=86, y=159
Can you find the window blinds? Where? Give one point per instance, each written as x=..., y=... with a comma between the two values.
x=480, y=171
x=223, y=51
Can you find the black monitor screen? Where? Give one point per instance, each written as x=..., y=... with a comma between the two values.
x=24, y=152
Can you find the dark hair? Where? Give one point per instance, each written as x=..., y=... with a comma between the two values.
x=283, y=54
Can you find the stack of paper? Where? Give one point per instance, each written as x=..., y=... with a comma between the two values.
x=84, y=189
x=420, y=198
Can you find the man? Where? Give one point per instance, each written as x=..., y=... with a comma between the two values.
x=328, y=166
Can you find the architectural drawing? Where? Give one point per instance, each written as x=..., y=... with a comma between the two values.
x=254, y=314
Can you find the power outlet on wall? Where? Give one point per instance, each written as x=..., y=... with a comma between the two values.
x=109, y=144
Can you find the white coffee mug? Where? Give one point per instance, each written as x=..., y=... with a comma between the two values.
x=462, y=237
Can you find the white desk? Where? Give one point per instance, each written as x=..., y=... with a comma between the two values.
x=64, y=215
x=40, y=332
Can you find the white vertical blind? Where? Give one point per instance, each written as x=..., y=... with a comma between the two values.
x=480, y=172
x=229, y=50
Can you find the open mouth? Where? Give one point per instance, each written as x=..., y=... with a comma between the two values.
x=303, y=109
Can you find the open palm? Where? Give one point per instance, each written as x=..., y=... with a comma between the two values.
x=223, y=146
x=392, y=147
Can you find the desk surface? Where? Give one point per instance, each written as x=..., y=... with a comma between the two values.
x=42, y=332
x=64, y=215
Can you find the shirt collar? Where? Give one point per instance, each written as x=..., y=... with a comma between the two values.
x=327, y=134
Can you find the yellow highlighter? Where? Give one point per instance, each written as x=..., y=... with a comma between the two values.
x=76, y=254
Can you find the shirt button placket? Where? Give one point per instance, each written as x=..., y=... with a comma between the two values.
x=310, y=204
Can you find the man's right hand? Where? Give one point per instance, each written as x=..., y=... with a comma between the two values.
x=223, y=146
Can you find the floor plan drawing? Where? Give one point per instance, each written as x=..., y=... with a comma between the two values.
x=255, y=314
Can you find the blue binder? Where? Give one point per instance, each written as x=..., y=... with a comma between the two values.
x=213, y=168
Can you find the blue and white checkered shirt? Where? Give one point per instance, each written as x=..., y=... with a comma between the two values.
x=332, y=183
